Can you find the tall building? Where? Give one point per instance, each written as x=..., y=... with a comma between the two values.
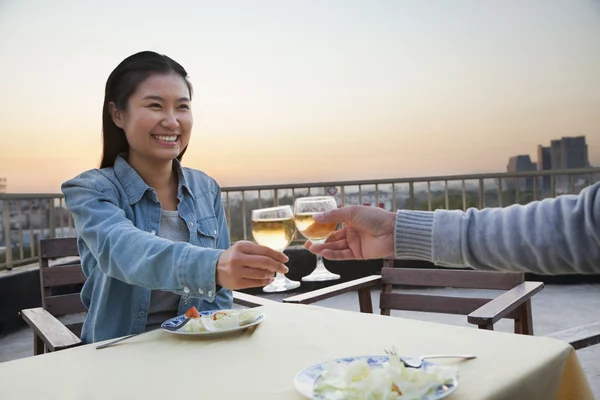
x=568, y=153
x=544, y=163
x=520, y=163
x=3, y=185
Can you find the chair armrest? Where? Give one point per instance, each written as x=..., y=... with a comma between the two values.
x=331, y=291
x=503, y=305
x=53, y=333
x=580, y=336
x=248, y=300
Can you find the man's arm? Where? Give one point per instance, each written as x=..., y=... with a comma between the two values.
x=553, y=236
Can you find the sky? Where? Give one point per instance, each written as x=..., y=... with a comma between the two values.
x=307, y=91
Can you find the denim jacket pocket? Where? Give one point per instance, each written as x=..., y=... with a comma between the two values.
x=208, y=232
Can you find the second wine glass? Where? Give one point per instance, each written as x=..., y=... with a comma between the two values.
x=316, y=232
x=274, y=228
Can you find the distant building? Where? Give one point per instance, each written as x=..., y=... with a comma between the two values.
x=3, y=185
x=566, y=153
x=569, y=152
x=521, y=163
x=544, y=163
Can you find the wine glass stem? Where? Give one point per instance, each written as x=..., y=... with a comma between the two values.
x=278, y=277
x=320, y=264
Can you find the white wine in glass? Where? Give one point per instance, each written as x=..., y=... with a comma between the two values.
x=274, y=228
x=316, y=232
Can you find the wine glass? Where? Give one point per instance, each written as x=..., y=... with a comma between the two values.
x=316, y=232
x=274, y=227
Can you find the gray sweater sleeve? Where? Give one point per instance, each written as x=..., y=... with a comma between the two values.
x=552, y=236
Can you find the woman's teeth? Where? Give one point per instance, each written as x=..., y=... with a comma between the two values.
x=165, y=138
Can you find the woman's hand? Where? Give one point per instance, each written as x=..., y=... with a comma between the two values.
x=246, y=264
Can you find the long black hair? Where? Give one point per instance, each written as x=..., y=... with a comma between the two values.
x=121, y=84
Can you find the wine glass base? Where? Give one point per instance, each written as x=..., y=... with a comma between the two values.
x=281, y=286
x=320, y=276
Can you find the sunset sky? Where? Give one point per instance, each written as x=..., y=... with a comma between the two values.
x=333, y=90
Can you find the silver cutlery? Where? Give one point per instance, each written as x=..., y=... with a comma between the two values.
x=416, y=362
x=169, y=328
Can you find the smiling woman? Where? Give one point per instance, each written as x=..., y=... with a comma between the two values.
x=148, y=97
x=152, y=234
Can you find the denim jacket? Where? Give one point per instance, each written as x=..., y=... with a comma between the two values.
x=117, y=217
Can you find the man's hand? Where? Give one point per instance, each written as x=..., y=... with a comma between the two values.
x=368, y=234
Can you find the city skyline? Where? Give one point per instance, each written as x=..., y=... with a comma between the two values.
x=311, y=91
x=554, y=156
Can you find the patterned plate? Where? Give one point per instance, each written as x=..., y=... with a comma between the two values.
x=174, y=321
x=305, y=380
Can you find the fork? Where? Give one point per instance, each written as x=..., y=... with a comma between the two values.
x=173, y=328
x=416, y=362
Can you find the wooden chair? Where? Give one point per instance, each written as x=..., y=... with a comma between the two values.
x=580, y=337
x=514, y=304
x=49, y=333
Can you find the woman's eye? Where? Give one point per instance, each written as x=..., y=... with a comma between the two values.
x=184, y=106
x=154, y=105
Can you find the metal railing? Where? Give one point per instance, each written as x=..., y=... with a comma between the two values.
x=27, y=218
x=422, y=193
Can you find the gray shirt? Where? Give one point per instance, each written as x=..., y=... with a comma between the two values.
x=164, y=304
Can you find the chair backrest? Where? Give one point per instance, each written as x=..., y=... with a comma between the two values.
x=59, y=276
x=440, y=278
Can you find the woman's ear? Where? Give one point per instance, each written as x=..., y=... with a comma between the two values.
x=117, y=115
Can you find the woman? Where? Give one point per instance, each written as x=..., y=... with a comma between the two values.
x=152, y=234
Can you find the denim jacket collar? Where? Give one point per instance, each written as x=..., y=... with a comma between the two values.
x=135, y=187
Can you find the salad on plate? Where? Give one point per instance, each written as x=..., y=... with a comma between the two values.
x=378, y=378
x=222, y=320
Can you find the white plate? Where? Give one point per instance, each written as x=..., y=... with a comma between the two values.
x=305, y=380
x=176, y=320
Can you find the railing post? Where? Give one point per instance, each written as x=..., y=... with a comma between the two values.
x=481, y=195
x=446, y=196
x=41, y=217
x=360, y=202
x=51, y=222
x=499, y=192
x=571, y=184
x=244, y=214
x=428, y=196
x=31, y=235
x=6, y=223
x=228, y=206
x=411, y=195
x=20, y=219
x=61, y=216
x=464, y=195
